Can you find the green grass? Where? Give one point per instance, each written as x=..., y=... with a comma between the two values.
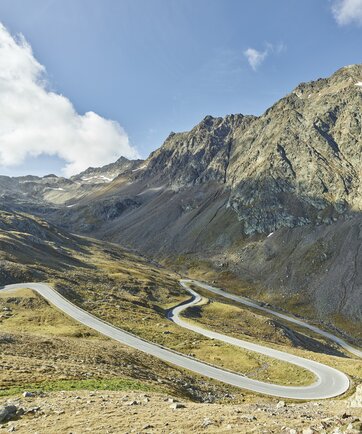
x=118, y=384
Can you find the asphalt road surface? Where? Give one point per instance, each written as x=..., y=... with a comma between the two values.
x=329, y=381
x=186, y=282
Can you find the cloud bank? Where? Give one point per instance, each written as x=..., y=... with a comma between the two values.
x=35, y=120
x=347, y=11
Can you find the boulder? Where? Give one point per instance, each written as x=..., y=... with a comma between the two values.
x=356, y=400
x=7, y=412
x=176, y=406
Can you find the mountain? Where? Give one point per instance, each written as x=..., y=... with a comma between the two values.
x=40, y=195
x=273, y=199
x=218, y=191
x=101, y=175
x=297, y=164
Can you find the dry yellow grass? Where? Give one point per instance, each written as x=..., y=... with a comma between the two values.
x=243, y=323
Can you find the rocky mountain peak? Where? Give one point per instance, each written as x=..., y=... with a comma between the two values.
x=347, y=72
x=346, y=79
x=197, y=156
x=104, y=174
x=296, y=164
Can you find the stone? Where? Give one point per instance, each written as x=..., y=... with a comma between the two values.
x=28, y=394
x=281, y=404
x=176, y=406
x=248, y=417
x=32, y=410
x=356, y=400
x=7, y=412
x=206, y=422
x=355, y=426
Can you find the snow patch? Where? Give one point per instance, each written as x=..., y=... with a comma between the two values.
x=271, y=233
x=106, y=178
x=140, y=168
x=56, y=189
x=359, y=84
x=97, y=178
x=153, y=189
x=298, y=94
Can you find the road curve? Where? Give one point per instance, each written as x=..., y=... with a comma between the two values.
x=357, y=352
x=330, y=382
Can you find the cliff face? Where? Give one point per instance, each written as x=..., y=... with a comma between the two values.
x=299, y=163
x=198, y=156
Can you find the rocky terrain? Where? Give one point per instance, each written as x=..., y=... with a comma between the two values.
x=275, y=199
x=115, y=412
x=43, y=195
x=105, y=174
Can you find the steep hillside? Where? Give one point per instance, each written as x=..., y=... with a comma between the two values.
x=220, y=189
x=32, y=249
x=299, y=163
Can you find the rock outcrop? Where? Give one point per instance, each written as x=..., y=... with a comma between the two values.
x=298, y=163
x=356, y=400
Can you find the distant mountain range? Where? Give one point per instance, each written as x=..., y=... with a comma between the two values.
x=276, y=199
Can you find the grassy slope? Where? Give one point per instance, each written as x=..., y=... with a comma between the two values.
x=42, y=349
x=235, y=320
x=295, y=304
x=115, y=284
x=148, y=299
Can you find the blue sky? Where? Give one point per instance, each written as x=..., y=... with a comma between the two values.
x=156, y=66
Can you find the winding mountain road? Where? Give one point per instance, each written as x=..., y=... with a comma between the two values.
x=329, y=381
x=186, y=282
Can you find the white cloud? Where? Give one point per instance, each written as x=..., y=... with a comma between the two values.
x=347, y=11
x=256, y=58
x=36, y=121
